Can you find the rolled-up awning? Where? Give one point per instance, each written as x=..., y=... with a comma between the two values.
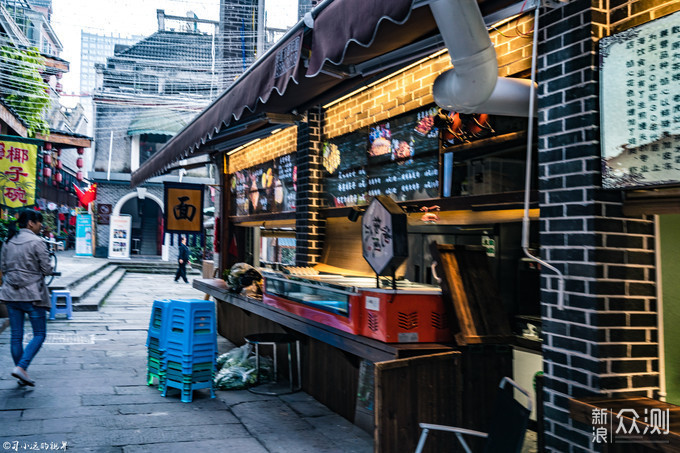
x=158, y=121
x=345, y=33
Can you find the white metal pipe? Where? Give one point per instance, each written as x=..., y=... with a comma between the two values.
x=473, y=85
x=527, y=180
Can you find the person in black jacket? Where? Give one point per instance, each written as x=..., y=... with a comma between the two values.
x=182, y=260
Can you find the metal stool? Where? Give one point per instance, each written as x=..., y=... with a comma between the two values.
x=274, y=340
x=58, y=309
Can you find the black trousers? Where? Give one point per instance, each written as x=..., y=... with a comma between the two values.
x=182, y=272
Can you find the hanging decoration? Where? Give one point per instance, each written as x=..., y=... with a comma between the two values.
x=88, y=196
x=79, y=176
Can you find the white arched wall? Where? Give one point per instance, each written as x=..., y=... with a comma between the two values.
x=142, y=193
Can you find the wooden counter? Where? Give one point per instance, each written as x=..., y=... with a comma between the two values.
x=402, y=384
x=581, y=410
x=365, y=348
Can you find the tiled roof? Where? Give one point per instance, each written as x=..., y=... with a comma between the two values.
x=171, y=46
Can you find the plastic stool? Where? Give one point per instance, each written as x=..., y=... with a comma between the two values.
x=61, y=310
x=274, y=340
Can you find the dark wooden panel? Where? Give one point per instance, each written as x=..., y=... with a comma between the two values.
x=469, y=288
x=483, y=368
x=410, y=391
x=329, y=374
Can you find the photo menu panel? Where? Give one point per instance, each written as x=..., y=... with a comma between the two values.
x=266, y=188
x=398, y=158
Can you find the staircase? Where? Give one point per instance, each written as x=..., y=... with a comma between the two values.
x=90, y=290
x=149, y=233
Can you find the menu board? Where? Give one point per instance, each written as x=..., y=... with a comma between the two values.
x=266, y=188
x=398, y=158
x=640, y=105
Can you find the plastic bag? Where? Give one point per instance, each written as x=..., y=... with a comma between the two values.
x=236, y=369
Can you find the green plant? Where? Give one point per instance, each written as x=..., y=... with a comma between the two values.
x=49, y=222
x=29, y=93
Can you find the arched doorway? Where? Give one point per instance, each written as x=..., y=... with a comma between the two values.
x=147, y=220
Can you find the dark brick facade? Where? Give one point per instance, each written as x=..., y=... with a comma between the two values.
x=310, y=227
x=604, y=341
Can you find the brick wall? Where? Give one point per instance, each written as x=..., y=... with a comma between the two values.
x=605, y=340
x=309, y=226
x=277, y=145
x=411, y=87
x=108, y=193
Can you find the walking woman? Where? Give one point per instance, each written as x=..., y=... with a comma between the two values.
x=25, y=262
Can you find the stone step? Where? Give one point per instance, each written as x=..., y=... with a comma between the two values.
x=84, y=287
x=70, y=281
x=97, y=297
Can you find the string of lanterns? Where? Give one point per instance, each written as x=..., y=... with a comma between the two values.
x=52, y=164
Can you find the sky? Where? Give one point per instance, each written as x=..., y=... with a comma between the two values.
x=135, y=17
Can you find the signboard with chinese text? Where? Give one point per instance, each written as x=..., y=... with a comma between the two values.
x=384, y=235
x=17, y=173
x=119, y=236
x=183, y=208
x=84, y=235
x=640, y=105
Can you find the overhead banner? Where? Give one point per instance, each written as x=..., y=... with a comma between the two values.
x=183, y=208
x=84, y=235
x=119, y=236
x=17, y=173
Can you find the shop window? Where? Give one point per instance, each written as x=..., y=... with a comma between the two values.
x=277, y=251
x=149, y=144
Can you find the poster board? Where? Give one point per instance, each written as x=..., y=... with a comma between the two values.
x=640, y=105
x=119, y=236
x=84, y=235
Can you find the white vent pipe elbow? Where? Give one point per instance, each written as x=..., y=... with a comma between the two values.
x=473, y=85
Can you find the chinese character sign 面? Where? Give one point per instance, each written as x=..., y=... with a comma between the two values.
x=17, y=173
x=183, y=208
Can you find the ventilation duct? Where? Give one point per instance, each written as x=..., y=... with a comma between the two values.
x=473, y=85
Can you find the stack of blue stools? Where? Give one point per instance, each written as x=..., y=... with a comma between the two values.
x=155, y=342
x=182, y=345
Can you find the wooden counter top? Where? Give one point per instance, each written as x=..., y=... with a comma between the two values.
x=619, y=410
x=366, y=348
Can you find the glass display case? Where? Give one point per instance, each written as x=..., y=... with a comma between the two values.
x=322, y=295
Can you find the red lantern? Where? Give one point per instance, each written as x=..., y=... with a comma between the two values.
x=58, y=151
x=48, y=146
x=47, y=172
x=54, y=182
x=79, y=176
x=57, y=177
x=60, y=165
x=81, y=151
x=79, y=162
x=47, y=158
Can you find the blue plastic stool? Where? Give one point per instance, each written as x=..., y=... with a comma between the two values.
x=61, y=310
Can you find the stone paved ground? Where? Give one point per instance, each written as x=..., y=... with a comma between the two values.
x=91, y=394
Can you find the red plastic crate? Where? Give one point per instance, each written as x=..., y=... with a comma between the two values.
x=404, y=317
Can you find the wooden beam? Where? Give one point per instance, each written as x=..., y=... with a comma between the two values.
x=12, y=121
x=62, y=139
